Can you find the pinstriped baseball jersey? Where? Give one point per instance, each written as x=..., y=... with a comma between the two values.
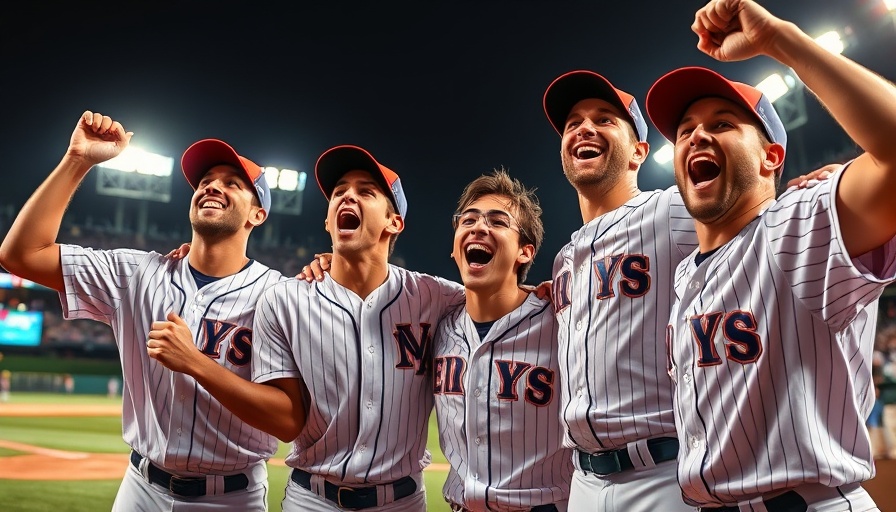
x=612, y=291
x=365, y=364
x=167, y=416
x=771, y=339
x=498, y=407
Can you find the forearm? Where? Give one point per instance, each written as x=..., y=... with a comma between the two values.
x=29, y=249
x=861, y=101
x=275, y=408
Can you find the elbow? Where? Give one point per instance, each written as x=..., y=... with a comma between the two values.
x=7, y=258
x=289, y=429
x=287, y=435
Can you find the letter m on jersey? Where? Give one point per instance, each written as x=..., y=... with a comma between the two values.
x=414, y=351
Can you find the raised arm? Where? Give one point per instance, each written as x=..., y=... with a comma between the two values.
x=30, y=249
x=861, y=101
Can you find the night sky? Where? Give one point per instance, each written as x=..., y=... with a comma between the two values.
x=440, y=92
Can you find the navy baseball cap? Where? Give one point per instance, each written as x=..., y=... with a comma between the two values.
x=570, y=88
x=671, y=95
x=337, y=161
x=207, y=153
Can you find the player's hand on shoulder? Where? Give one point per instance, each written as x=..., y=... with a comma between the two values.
x=316, y=270
x=542, y=291
x=97, y=138
x=813, y=178
x=179, y=253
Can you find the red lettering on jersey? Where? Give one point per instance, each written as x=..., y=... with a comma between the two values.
x=448, y=375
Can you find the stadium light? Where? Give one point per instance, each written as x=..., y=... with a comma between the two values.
x=286, y=187
x=134, y=159
x=773, y=86
x=664, y=154
x=890, y=5
x=136, y=174
x=831, y=41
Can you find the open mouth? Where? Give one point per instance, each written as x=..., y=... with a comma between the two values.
x=588, y=152
x=212, y=204
x=478, y=255
x=347, y=220
x=703, y=170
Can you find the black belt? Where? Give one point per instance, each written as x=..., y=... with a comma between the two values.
x=616, y=461
x=355, y=497
x=540, y=508
x=186, y=486
x=790, y=501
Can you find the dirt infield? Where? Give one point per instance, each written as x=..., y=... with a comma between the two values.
x=34, y=410
x=39, y=463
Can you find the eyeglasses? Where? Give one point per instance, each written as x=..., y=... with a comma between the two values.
x=494, y=219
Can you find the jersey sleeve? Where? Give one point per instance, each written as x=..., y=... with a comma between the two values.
x=807, y=245
x=96, y=280
x=451, y=295
x=272, y=356
x=682, y=233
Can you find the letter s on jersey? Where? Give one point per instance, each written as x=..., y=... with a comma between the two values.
x=742, y=343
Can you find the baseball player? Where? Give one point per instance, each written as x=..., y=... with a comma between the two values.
x=612, y=292
x=188, y=451
x=772, y=329
x=496, y=374
x=360, y=342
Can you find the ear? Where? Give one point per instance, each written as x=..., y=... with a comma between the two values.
x=258, y=216
x=527, y=252
x=773, y=160
x=639, y=156
x=326, y=225
x=396, y=224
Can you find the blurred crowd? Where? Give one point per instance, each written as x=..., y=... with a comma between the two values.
x=882, y=421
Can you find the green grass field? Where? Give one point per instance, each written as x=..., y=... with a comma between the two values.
x=103, y=435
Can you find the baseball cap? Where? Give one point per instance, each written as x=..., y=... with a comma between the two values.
x=337, y=161
x=570, y=88
x=207, y=153
x=671, y=95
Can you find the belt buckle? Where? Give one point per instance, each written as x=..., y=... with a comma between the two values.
x=185, y=486
x=339, y=495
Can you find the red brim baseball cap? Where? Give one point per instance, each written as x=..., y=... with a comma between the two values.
x=570, y=88
x=207, y=153
x=670, y=96
x=337, y=161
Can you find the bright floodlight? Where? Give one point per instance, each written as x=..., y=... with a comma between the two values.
x=831, y=41
x=287, y=180
x=890, y=5
x=773, y=87
x=134, y=159
x=664, y=155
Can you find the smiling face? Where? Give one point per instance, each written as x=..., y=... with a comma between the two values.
x=360, y=215
x=224, y=203
x=724, y=167
x=597, y=144
x=488, y=256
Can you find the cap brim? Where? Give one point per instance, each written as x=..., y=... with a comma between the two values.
x=573, y=87
x=671, y=95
